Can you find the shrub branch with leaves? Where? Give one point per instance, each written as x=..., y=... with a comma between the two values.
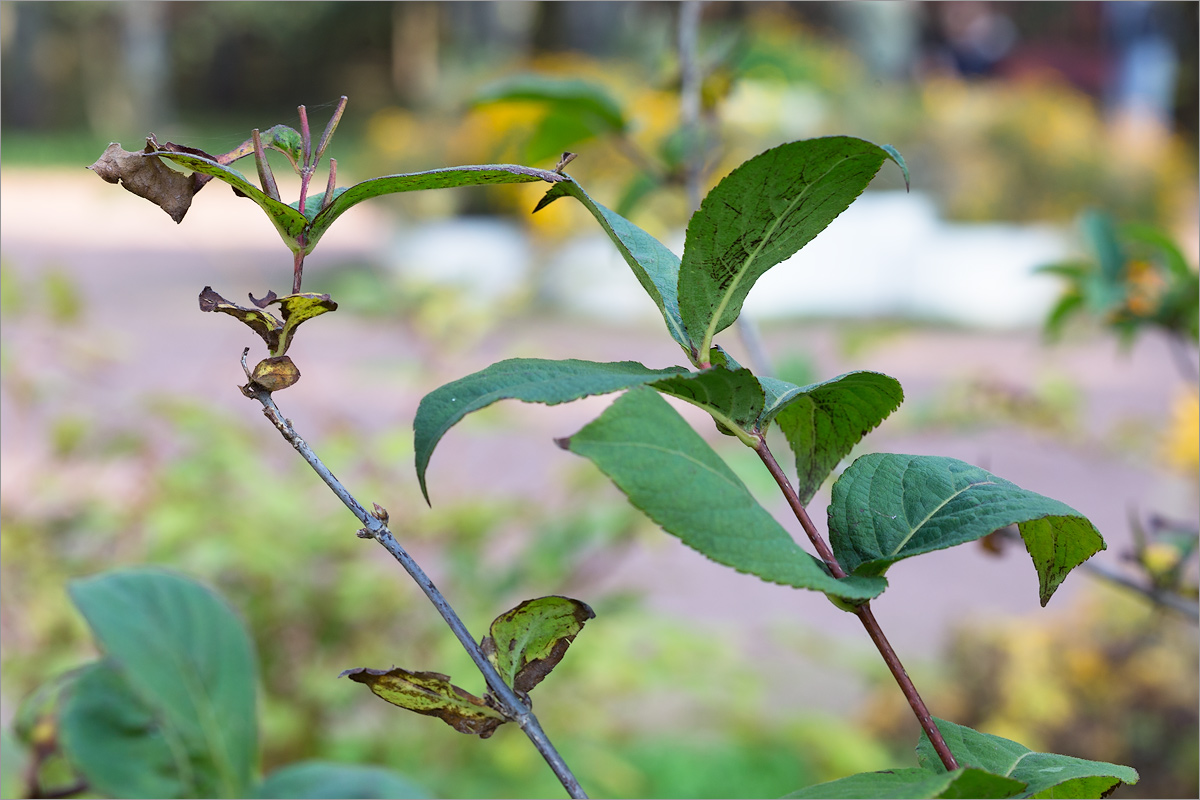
x=884, y=507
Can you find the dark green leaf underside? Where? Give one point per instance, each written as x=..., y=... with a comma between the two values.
x=823, y=421
x=672, y=475
x=530, y=380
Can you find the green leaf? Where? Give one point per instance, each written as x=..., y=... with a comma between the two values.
x=287, y=141
x=530, y=380
x=914, y=782
x=582, y=99
x=528, y=641
x=445, y=178
x=301, y=233
x=288, y=221
x=432, y=694
x=1045, y=774
x=559, y=131
x=320, y=779
x=186, y=655
x=823, y=421
x=733, y=397
x=761, y=214
x=677, y=480
x=656, y=267
x=122, y=748
x=888, y=507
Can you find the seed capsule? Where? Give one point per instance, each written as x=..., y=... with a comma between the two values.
x=275, y=373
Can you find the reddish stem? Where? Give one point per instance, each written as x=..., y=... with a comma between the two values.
x=298, y=266
x=863, y=612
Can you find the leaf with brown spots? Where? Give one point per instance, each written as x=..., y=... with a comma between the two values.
x=525, y=643
x=431, y=694
x=276, y=333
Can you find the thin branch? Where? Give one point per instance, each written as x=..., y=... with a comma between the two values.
x=1159, y=596
x=1162, y=597
x=689, y=97
x=375, y=528
x=863, y=612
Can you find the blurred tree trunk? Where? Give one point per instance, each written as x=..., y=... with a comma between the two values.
x=415, y=31
x=127, y=69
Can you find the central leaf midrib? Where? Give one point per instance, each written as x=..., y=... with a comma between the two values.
x=723, y=303
x=933, y=513
x=734, y=482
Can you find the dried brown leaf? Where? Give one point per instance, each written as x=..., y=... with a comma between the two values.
x=146, y=176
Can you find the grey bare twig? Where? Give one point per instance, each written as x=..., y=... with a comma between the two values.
x=375, y=527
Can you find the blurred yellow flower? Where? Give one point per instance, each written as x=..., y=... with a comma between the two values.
x=1181, y=440
x=392, y=131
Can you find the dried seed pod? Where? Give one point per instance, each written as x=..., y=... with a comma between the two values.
x=275, y=373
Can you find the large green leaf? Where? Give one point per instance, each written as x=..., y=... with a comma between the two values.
x=759, y=215
x=185, y=654
x=446, y=178
x=575, y=111
x=320, y=779
x=823, y=421
x=525, y=643
x=531, y=380
x=888, y=507
x=656, y=267
x=122, y=748
x=1045, y=774
x=672, y=475
x=432, y=694
x=914, y=782
x=303, y=231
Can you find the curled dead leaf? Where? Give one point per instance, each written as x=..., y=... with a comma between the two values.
x=146, y=176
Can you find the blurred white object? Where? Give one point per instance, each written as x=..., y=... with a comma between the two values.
x=488, y=259
x=887, y=255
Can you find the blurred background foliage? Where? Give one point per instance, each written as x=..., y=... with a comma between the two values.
x=1017, y=112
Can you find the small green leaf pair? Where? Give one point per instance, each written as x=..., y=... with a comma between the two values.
x=524, y=645
x=992, y=767
x=169, y=709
